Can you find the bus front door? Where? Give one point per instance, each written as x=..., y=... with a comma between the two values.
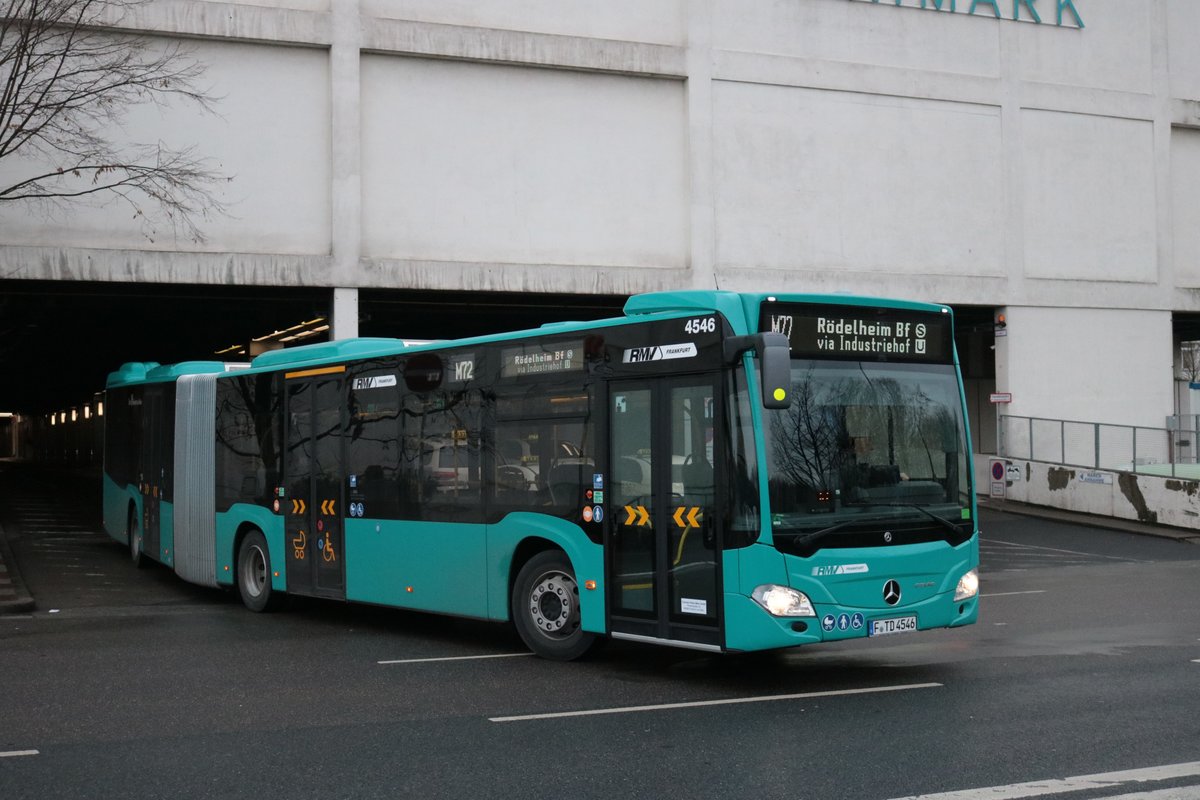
x=312, y=478
x=663, y=546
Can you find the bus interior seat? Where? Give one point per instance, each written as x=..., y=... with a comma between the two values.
x=510, y=450
x=631, y=477
x=255, y=485
x=698, y=479
x=566, y=482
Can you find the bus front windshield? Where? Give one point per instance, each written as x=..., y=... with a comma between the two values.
x=869, y=444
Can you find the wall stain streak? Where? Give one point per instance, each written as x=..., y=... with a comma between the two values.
x=1133, y=493
x=1183, y=486
x=1059, y=478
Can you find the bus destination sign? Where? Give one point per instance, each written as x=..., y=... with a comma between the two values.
x=537, y=359
x=860, y=334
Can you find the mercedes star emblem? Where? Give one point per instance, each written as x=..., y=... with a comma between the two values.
x=887, y=536
x=891, y=592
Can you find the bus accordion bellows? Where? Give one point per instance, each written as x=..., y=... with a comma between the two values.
x=713, y=470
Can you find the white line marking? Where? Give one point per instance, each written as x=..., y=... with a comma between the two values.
x=1072, y=552
x=454, y=658
x=702, y=703
x=1009, y=594
x=1102, y=780
x=1178, y=793
x=18, y=753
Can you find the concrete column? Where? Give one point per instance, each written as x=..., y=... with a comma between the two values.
x=1002, y=383
x=1183, y=403
x=345, y=313
x=1013, y=157
x=346, y=190
x=700, y=144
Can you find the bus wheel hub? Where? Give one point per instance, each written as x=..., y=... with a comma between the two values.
x=551, y=603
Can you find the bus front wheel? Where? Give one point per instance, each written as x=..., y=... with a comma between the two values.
x=545, y=606
x=254, y=574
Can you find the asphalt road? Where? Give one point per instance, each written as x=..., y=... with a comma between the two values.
x=128, y=683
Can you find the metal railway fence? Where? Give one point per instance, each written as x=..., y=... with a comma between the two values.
x=1170, y=451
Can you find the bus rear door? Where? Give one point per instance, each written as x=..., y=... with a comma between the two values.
x=156, y=457
x=312, y=477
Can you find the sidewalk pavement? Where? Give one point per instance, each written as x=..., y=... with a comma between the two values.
x=14, y=596
x=1191, y=535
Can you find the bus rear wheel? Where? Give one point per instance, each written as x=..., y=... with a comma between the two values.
x=545, y=606
x=254, y=574
x=135, y=541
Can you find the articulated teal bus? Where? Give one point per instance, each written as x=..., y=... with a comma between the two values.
x=712, y=470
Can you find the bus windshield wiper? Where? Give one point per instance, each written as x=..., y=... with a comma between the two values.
x=800, y=538
x=945, y=523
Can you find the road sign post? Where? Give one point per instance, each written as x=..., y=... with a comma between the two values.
x=998, y=474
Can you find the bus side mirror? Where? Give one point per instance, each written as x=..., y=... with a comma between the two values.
x=773, y=351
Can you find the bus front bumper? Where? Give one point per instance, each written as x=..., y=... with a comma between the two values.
x=748, y=626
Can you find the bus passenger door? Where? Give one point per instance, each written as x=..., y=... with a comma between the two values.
x=663, y=546
x=154, y=470
x=312, y=476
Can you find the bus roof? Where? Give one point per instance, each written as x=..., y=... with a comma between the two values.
x=740, y=309
x=153, y=372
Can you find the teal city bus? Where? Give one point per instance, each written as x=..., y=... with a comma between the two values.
x=712, y=470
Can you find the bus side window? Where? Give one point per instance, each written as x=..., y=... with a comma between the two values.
x=542, y=456
x=449, y=467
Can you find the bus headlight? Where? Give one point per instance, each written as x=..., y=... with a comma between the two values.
x=968, y=586
x=783, y=601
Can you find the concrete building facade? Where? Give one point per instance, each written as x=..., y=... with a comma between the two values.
x=1037, y=157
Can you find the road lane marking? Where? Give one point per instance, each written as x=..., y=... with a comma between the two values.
x=703, y=703
x=1178, y=793
x=1072, y=552
x=453, y=658
x=18, y=753
x=1101, y=780
x=1009, y=594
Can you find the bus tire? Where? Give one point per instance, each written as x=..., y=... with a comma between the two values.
x=134, y=528
x=254, y=574
x=545, y=607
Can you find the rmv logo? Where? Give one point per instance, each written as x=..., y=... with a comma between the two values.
x=636, y=354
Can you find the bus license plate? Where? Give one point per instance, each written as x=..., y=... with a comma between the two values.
x=886, y=627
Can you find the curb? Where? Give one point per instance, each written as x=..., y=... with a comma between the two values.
x=14, y=596
x=1186, y=535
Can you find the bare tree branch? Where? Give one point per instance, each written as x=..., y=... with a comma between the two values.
x=1189, y=363
x=67, y=80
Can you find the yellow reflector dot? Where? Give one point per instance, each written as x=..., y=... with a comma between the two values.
x=780, y=394
x=590, y=585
